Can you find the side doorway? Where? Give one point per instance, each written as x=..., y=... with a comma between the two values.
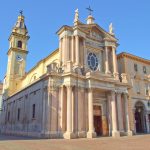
x=139, y=117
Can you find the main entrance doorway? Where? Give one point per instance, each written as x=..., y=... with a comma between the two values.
x=139, y=117
x=98, y=120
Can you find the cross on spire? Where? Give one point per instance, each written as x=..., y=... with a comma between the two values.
x=90, y=10
x=21, y=12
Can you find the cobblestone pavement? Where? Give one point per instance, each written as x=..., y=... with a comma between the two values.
x=139, y=142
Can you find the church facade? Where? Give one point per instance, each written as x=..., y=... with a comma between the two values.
x=75, y=92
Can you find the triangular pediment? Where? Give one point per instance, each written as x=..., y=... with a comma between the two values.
x=97, y=31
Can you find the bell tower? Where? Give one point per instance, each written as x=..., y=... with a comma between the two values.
x=16, y=55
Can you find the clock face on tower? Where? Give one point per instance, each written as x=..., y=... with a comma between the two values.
x=19, y=58
x=92, y=61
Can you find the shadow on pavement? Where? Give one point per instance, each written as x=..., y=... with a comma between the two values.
x=12, y=137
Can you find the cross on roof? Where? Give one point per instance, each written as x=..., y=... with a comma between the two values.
x=90, y=10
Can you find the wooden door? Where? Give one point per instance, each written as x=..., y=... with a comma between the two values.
x=139, y=128
x=98, y=125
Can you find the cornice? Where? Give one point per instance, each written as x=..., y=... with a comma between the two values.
x=17, y=50
x=65, y=27
x=43, y=60
x=19, y=35
x=133, y=57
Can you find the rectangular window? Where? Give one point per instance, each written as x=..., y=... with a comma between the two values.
x=18, y=116
x=144, y=69
x=33, y=111
x=135, y=67
x=8, y=116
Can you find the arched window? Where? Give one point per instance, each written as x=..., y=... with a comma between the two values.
x=19, y=44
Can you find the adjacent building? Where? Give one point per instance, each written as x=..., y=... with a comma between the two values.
x=138, y=76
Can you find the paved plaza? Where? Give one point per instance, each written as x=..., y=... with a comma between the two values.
x=139, y=142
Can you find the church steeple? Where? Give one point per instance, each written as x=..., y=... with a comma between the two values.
x=20, y=24
x=17, y=54
x=19, y=35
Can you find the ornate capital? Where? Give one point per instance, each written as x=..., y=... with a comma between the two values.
x=113, y=92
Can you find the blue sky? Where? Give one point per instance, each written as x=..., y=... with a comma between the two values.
x=131, y=20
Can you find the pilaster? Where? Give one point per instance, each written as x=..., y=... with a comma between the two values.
x=69, y=132
x=72, y=48
x=128, y=130
x=91, y=133
x=81, y=131
x=115, y=132
x=120, y=115
x=60, y=51
x=107, y=71
x=77, y=56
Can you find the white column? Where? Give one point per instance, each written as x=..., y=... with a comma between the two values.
x=47, y=111
x=81, y=132
x=62, y=128
x=45, y=99
x=69, y=109
x=101, y=63
x=85, y=52
x=60, y=50
x=115, y=70
x=67, y=48
x=129, y=132
x=109, y=114
x=77, y=50
x=106, y=61
x=120, y=115
x=69, y=131
x=76, y=109
x=115, y=66
x=63, y=50
x=72, y=48
x=91, y=133
x=147, y=123
x=115, y=132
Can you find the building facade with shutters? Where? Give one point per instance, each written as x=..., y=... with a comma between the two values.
x=77, y=91
x=138, y=76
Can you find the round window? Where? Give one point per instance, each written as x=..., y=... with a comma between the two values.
x=92, y=61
